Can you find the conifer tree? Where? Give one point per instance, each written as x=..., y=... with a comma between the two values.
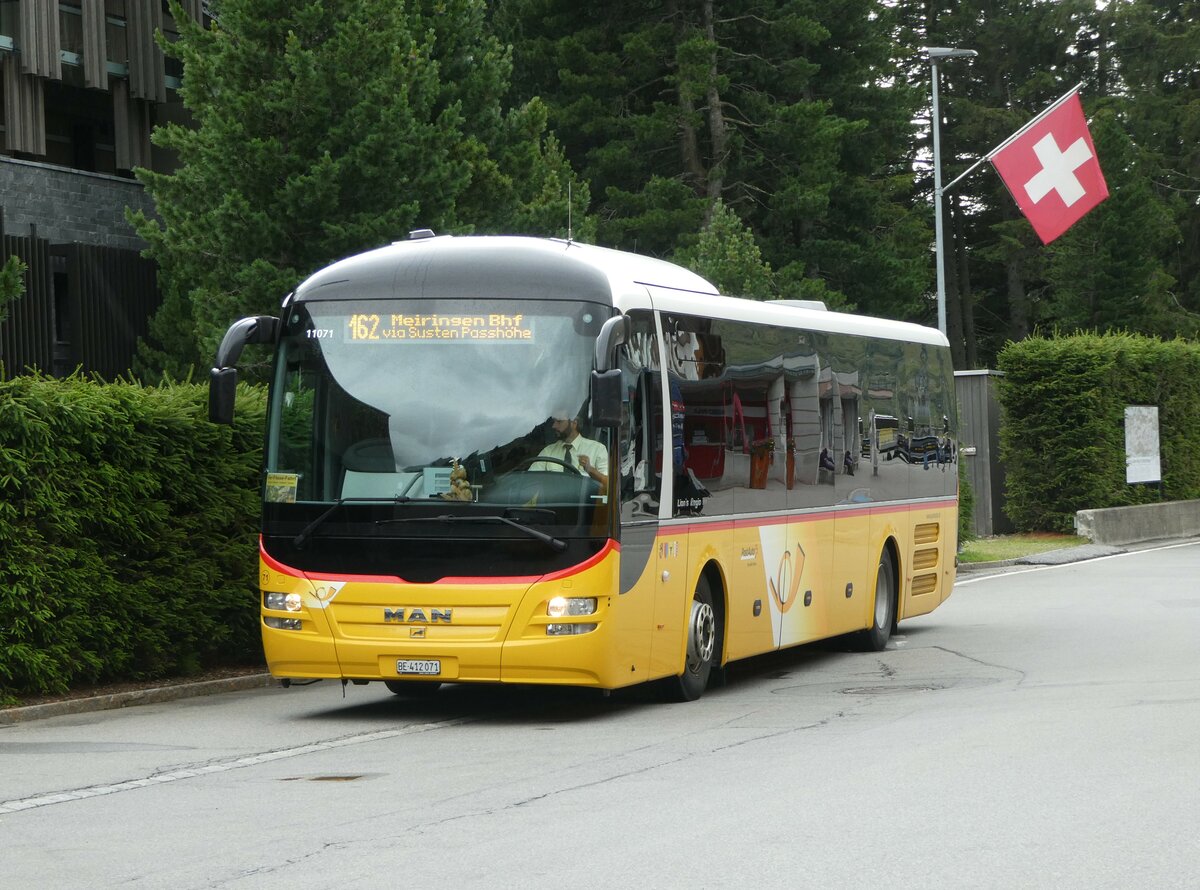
x=323, y=128
x=726, y=254
x=789, y=112
x=1155, y=57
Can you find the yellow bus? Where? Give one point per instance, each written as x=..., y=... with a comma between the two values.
x=521, y=460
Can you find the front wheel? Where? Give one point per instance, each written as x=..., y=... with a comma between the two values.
x=875, y=638
x=703, y=640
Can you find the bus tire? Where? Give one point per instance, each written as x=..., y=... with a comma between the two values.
x=703, y=646
x=412, y=688
x=883, y=615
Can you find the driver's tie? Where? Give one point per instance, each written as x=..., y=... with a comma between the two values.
x=567, y=455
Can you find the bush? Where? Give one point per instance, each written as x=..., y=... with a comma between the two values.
x=127, y=532
x=1063, y=439
x=966, y=505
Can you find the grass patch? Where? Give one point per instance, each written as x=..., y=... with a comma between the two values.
x=1016, y=546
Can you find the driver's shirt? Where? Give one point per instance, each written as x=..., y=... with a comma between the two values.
x=569, y=452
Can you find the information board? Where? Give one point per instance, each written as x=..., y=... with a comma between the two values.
x=1142, y=463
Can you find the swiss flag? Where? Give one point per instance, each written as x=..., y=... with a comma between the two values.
x=1050, y=167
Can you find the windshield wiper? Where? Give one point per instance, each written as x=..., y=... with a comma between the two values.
x=306, y=532
x=551, y=541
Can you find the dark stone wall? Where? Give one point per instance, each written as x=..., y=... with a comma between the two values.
x=70, y=206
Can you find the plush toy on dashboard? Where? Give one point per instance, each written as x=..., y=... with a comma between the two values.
x=460, y=488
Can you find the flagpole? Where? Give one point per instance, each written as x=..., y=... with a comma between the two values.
x=937, y=207
x=934, y=54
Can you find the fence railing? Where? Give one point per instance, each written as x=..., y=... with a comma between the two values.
x=85, y=307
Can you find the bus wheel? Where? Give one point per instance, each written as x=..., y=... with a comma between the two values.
x=412, y=688
x=875, y=638
x=701, y=646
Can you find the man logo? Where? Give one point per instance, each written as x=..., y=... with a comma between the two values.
x=405, y=615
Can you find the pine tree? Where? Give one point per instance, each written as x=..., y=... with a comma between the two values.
x=726, y=254
x=786, y=111
x=326, y=127
x=1157, y=63
x=1107, y=271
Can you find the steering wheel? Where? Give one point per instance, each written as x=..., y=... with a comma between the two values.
x=550, y=460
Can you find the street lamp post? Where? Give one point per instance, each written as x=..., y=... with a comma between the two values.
x=935, y=54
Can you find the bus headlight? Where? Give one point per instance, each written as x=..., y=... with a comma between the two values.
x=569, y=607
x=283, y=623
x=562, y=606
x=281, y=602
x=560, y=630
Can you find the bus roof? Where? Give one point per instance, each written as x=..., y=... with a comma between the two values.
x=506, y=267
x=780, y=314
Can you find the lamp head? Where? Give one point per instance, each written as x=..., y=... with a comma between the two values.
x=937, y=53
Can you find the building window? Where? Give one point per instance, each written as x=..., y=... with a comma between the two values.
x=114, y=32
x=10, y=21
x=70, y=30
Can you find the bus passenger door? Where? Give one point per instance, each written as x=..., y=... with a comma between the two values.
x=645, y=551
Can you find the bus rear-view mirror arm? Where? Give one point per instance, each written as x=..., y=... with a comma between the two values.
x=605, y=397
x=222, y=381
x=614, y=333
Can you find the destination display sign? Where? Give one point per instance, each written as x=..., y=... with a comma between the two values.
x=399, y=327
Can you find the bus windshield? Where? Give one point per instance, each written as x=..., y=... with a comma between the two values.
x=434, y=401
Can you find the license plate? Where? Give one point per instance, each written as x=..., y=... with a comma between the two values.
x=424, y=667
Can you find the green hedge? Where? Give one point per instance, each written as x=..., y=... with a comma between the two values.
x=127, y=533
x=1062, y=438
x=966, y=504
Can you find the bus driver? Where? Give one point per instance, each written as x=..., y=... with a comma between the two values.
x=576, y=451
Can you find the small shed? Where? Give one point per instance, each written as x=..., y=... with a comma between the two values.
x=979, y=448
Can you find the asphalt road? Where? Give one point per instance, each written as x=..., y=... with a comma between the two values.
x=1041, y=729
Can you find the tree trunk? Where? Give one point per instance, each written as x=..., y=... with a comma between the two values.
x=1018, y=299
x=694, y=171
x=716, y=114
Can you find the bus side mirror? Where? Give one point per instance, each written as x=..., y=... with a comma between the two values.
x=222, y=390
x=222, y=381
x=605, y=401
x=614, y=333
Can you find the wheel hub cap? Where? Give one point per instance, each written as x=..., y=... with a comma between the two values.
x=702, y=636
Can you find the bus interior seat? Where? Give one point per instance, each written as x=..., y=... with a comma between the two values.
x=370, y=456
x=370, y=471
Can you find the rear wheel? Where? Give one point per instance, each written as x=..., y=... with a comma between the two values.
x=703, y=646
x=876, y=637
x=412, y=688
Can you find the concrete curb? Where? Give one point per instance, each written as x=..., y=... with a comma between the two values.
x=172, y=692
x=1069, y=554
x=967, y=568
